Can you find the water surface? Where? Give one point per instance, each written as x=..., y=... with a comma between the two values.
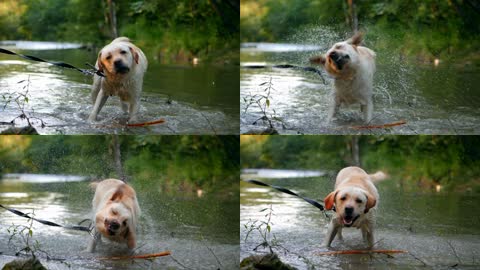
x=201, y=232
x=441, y=99
x=200, y=99
x=439, y=230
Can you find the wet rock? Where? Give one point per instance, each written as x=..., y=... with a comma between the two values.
x=27, y=130
x=265, y=262
x=267, y=131
x=24, y=264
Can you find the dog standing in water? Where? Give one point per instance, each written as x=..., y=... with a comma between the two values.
x=352, y=67
x=116, y=213
x=124, y=65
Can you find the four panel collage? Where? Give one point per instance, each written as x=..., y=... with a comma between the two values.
x=239, y=134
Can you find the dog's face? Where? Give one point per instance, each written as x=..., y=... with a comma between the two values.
x=350, y=204
x=339, y=59
x=117, y=58
x=115, y=219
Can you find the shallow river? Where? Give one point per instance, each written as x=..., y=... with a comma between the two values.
x=199, y=99
x=441, y=99
x=201, y=233
x=438, y=230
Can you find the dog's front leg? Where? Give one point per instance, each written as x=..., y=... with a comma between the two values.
x=332, y=231
x=99, y=102
x=93, y=241
x=333, y=111
x=133, y=108
x=367, y=233
x=367, y=111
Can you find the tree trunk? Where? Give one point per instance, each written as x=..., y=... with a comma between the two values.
x=353, y=18
x=355, y=151
x=117, y=156
x=112, y=17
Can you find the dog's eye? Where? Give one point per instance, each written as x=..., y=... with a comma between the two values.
x=358, y=201
x=343, y=198
x=109, y=57
x=124, y=223
x=123, y=52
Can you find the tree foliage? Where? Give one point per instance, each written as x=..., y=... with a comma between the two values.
x=182, y=28
x=208, y=162
x=427, y=27
x=412, y=160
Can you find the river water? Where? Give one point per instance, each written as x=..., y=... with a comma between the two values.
x=431, y=99
x=438, y=230
x=200, y=99
x=201, y=232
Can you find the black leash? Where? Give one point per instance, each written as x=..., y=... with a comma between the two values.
x=90, y=72
x=49, y=223
x=311, y=69
x=284, y=190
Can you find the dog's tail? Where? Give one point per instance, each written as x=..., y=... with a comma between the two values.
x=378, y=176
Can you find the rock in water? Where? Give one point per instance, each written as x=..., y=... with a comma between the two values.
x=27, y=130
x=24, y=264
x=265, y=262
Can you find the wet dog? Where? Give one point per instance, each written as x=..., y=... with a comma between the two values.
x=124, y=65
x=355, y=199
x=352, y=67
x=116, y=213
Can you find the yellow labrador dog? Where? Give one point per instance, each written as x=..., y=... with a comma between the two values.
x=116, y=213
x=355, y=199
x=124, y=65
x=352, y=67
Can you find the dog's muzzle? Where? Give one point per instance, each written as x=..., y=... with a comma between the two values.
x=112, y=227
x=338, y=59
x=120, y=67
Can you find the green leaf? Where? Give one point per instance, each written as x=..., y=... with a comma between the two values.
x=265, y=209
x=268, y=228
x=268, y=102
x=262, y=83
x=30, y=232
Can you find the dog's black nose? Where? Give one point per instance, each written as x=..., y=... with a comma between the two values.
x=114, y=225
x=334, y=55
x=348, y=211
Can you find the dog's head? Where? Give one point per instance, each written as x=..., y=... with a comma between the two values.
x=350, y=203
x=118, y=57
x=338, y=60
x=116, y=219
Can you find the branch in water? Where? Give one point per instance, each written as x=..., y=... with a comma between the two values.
x=393, y=124
x=143, y=256
x=338, y=252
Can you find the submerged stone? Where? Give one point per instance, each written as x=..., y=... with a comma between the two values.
x=24, y=264
x=265, y=262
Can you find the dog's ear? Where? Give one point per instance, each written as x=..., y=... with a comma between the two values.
x=356, y=39
x=371, y=201
x=99, y=62
x=118, y=194
x=135, y=54
x=330, y=200
x=320, y=60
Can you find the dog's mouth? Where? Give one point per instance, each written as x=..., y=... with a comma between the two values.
x=122, y=70
x=349, y=220
x=110, y=232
